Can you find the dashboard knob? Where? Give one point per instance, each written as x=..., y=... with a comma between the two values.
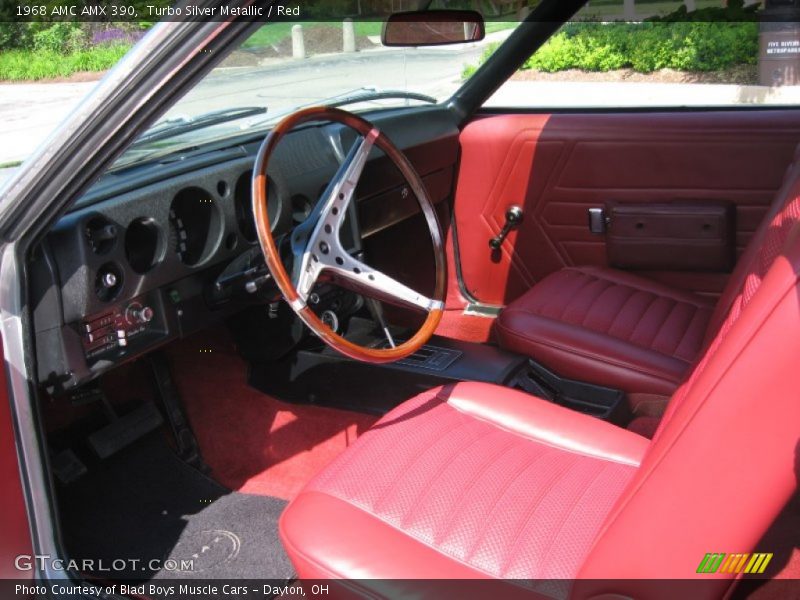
x=140, y=314
x=109, y=280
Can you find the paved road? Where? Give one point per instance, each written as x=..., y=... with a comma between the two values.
x=436, y=72
x=29, y=112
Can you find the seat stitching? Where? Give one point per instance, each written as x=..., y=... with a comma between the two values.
x=595, y=300
x=582, y=282
x=419, y=541
x=597, y=357
x=652, y=345
x=517, y=333
x=631, y=294
x=408, y=465
x=405, y=533
x=470, y=484
x=427, y=488
x=547, y=488
x=345, y=460
x=501, y=492
x=575, y=504
x=670, y=294
x=639, y=321
x=566, y=306
x=686, y=330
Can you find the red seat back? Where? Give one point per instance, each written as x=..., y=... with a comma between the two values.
x=762, y=249
x=725, y=459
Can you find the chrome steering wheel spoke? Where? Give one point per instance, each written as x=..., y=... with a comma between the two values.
x=322, y=250
x=354, y=274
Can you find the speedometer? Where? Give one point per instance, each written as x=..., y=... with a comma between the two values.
x=195, y=225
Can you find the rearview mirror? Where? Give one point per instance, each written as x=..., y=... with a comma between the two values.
x=433, y=28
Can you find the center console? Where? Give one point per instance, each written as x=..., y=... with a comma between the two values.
x=319, y=375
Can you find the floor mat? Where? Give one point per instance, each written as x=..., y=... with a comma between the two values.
x=253, y=442
x=145, y=504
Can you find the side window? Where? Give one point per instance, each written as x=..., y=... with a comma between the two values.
x=621, y=53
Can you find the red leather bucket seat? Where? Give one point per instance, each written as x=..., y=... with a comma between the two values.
x=613, y=328
x=475, y=480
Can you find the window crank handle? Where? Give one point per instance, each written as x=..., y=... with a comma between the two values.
x=513, y=218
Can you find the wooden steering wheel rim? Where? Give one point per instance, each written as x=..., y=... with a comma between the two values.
x=272, y=255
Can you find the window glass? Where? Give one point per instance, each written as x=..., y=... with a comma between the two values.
x=697, y=53
x=285, y=66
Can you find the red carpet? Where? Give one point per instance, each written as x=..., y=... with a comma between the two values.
x=469, y=328
x=252, y=442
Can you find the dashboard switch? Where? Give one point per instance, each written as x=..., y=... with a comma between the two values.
x=137, y=313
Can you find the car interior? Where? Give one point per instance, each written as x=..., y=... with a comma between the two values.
x=587, y=372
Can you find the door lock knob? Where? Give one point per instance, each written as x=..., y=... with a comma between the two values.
x=513, y=219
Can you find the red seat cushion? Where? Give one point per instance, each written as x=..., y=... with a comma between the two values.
x=468, y=481
x=481, y=481
x=608, y=327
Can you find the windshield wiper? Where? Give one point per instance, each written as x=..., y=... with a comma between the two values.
x=172, y=127
x=366, y=94
x=178, y=126
x=362, y=94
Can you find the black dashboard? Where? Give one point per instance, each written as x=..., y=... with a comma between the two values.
x=159, y=251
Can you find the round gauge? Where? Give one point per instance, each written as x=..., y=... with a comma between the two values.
x=243, y=197
x=195, y=224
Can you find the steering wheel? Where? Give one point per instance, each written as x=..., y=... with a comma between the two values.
x=318, y=252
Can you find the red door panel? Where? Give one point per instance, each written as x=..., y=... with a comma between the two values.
x=557, y=166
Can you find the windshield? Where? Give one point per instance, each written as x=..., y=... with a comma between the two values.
x=282, y=67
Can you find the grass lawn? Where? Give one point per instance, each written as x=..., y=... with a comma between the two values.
x=31, y=65
x=276, y=32
x=493, y=26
